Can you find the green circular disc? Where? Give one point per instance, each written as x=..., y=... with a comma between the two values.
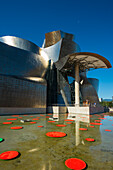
x=1, y=139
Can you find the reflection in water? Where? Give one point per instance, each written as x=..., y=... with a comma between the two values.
x=80, y=118
x=77, y=126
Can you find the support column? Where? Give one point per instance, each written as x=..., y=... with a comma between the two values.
x=77, y=102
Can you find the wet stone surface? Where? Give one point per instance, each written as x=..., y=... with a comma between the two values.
x=40, y=152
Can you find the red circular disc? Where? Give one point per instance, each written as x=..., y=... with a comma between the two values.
x=7, y=122
x=35, y=119
x=107, y=130
x=61, y=125
x=47, y=116
x=33, y=122
x=51, y=121
x=68, y=122
x=15, y=115
x=75, y=163
x=97, y=120
x=17, y=127
x=56, y=134
x=82, y=128
x=93, y=123
x=92, y=126
x=41, y=115
x=50, y=114
x=90, y=139
x=31, y=116
x=102, y=118
x=40, y=126
x=12, y=119
x=19, y=117
x=9, y=155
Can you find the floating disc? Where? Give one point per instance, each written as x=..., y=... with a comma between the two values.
x=92, y=126
x=47, y=116
x=90, y=139
x=31, y=116
x=50, y=114
x=7, y=122
x=102, y=118
x=82, y=128
x=15, y=115
x=33, y=122
x=56, y=134
x=20, y=117
x=61, y=125
x=93, y=123
x=41, y=115
x=17, y=127
x=1, y=139
x=68, y=122
x=51, y=121
x=75, y=163
x=35, y=119
x=107, y=130
x=9, y=155
x=12, y=119
x=97, y=120
x=40, y=126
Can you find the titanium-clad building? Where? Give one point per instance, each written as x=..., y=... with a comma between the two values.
x=37, y=77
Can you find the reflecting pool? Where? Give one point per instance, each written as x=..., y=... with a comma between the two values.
x=41, y=152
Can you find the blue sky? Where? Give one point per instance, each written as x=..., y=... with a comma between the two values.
x=91, y=21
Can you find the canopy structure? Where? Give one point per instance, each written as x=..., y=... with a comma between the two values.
x=86, y=60
x=80, y=62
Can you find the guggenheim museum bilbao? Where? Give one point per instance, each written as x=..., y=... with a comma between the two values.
x=34, y=78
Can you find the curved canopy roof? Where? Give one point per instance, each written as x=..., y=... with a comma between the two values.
x=86, y=60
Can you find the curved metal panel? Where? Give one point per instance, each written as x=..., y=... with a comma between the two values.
x=94, y=82
x=53, y=51
x=88, y=92
x=19, y=92
x=15, y=61
x=20, y=43
x=52, y=38
x=68, y=47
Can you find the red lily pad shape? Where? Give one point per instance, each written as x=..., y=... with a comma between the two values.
x=90, y=139
x=93, y=123
x=107, y=130
x=82, y=128
x=12, y=119
x=33, y=122
x=9, y=155
x=56, y=134
x=75, y=163
x=61, y=125
x=7, y=123
x=16, y=127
